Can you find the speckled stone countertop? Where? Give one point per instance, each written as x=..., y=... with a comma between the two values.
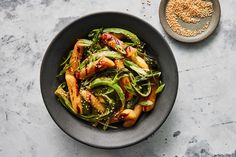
x=201, y=124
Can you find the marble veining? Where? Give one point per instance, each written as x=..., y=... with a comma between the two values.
x=201, y=124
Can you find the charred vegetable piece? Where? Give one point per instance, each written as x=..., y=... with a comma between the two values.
x=130, y=116
x=95, y=56
x=132, y=53
x=74, y=93
x=71, y=81
x=77, y=54
x=121, y=47
x=113, y=42
x=140, y=62
x=93, y=67
x=90, y=98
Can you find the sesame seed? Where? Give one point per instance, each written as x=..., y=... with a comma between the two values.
x=189, y=11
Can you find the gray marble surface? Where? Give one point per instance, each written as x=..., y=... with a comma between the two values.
x=201, y=124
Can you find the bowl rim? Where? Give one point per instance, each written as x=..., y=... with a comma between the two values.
x=150, y=132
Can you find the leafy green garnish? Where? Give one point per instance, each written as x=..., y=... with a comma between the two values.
x=66, y=67
x=67, y=58
x=130, y=89
x=131, y=103
x=106, y=125
x=94, y=34
x=142, y=89
x=160, y=88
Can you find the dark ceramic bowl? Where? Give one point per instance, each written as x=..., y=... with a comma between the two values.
x=148, y=123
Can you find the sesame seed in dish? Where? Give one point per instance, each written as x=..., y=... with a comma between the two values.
x=188, y=11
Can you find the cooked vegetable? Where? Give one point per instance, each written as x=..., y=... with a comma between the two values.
x=160, y=88
x=71, y=80
x=134, y=67
x=148, y=103
x=114, y=42
x=124, y=32
x=74, y=93
x=95, y=56
x=125, y=81
x=93, y=67
x=109, y=79
x=63, y=97
x=110, y=83
x=76, y=55
x=129, y=51
x=131, y=116
x=90, y=98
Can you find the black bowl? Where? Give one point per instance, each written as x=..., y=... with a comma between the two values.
x=148, y=123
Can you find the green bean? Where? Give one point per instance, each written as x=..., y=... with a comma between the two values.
x=85, y=42
x=126, y=33
x=160, y=88
x=109, y=82
x=134, y=67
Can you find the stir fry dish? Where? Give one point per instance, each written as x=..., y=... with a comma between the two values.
x=108, y=79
